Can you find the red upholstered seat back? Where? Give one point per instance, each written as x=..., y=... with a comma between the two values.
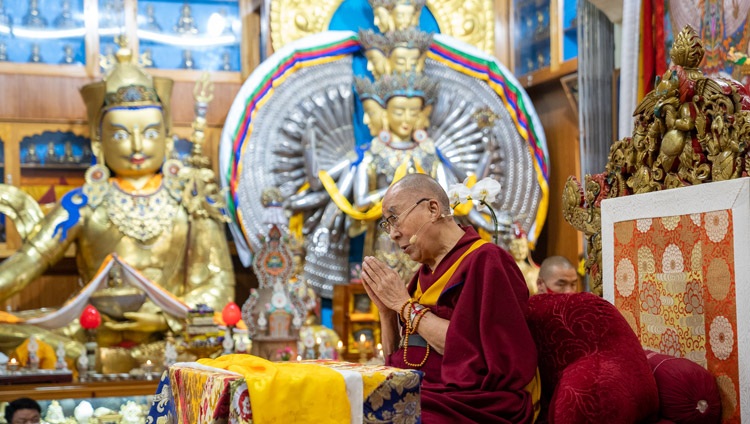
x=591, y=363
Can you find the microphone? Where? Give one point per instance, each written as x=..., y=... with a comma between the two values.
x=413, y=239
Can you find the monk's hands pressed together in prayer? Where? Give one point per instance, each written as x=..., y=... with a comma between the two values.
x=384, y=286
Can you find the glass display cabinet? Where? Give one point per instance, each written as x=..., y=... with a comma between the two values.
x=200, y=35
x=43, y=32
x=110, y=395
x=176, y=35
x=545, y=39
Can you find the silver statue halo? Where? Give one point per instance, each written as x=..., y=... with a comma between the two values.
x=316, y=100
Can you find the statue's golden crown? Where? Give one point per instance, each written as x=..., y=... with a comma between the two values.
x=373, y=41
x=126, y=84
x=412, y=38
x=407, y=85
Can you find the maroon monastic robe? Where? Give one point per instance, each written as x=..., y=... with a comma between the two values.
x=490, y=356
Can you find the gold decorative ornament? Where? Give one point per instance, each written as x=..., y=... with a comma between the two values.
x=689, y=130
x=295, y=19
x=471, y=21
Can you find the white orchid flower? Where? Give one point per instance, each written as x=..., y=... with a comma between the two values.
x=485, y=192
x=458, y=194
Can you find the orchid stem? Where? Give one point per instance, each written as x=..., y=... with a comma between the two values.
x=494, y=220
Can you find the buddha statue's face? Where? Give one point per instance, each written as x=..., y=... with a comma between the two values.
x=404, y=16
x=374, y=116
x=377, y=63
x=519, y=248
x=133, y=141
x=403, y=113
x=383, y=19
x=404, y=59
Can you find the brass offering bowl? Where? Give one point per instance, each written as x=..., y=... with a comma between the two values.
x=115, y=301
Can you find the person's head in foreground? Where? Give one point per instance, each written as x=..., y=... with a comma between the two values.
x=23, y=411
x=557, y=275
x=417, y=217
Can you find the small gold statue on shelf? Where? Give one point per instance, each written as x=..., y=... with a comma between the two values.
x=187, y=60
x=151, y=23
x=226, y=61
x=227, y=22
x=31, y=156
x=34, y=18
x=68, y=55
x=5, y=18
x=68, y=156
x=541, y=27
x=171, y=235
x=36, y=54
x=541, y=61
x=186, y=24
x=65, y=19
x=51, y=156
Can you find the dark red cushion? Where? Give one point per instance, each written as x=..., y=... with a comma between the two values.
x=591, y=363
x=688, y=393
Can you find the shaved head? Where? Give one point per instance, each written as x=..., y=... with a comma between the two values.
x=557, y=275
x=549, y=265
x=421, y=185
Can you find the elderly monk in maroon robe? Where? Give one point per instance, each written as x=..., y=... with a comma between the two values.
x=461, y=318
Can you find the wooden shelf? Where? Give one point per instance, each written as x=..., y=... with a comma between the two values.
x=79, y=390
x=548, y=74
x=55, y=166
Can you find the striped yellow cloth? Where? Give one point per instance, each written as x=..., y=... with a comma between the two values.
x=289, y=392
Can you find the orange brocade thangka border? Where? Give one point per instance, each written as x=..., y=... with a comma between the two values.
x=675, y=285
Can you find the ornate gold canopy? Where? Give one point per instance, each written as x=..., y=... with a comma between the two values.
x=471, y=21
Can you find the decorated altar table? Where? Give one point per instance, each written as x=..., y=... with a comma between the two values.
x=196, y=393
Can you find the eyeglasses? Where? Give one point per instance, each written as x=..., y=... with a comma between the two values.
x=392, y=221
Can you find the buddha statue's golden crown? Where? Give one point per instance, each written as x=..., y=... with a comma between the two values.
x=398, y=85
x=412, y=38
x=373, y=41
x=126, y=84
x=687, y=50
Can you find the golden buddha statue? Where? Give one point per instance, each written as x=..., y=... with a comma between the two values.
x=395, y=52
x=377, y=51
x=171, y=235
x=393, y=15
x=518, y=247
x=401, y=104
x=409, y=49
x=186, y=23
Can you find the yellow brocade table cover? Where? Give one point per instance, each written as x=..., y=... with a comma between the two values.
x=246, y=389
x=283, y=391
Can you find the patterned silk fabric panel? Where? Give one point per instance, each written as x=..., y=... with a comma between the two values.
x=675, y=285
x=200, y=396
x=162, y=406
